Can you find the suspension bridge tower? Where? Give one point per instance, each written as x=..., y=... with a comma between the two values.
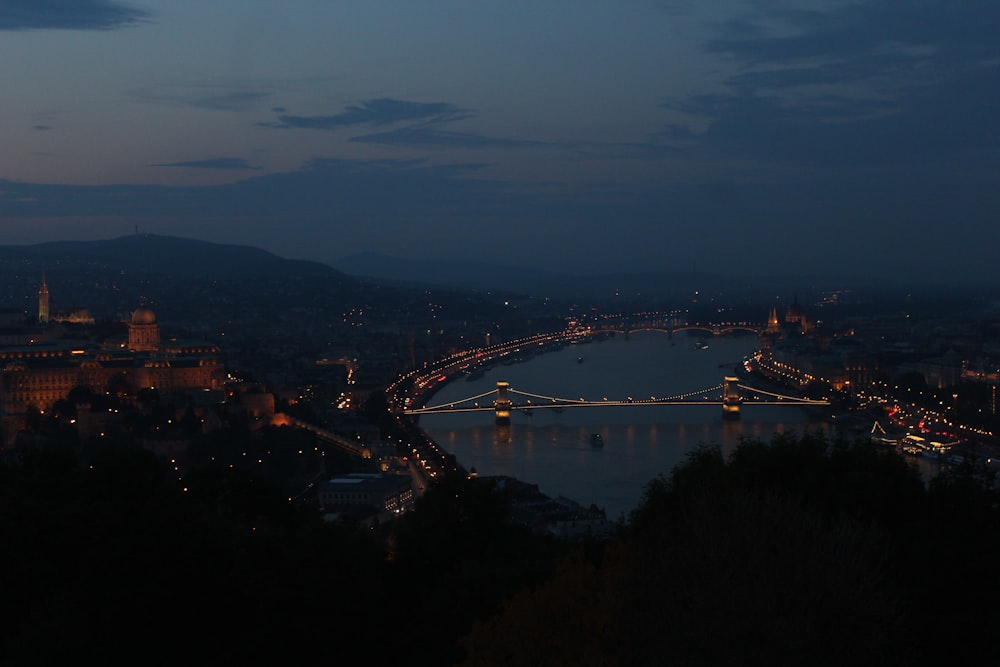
x=731, y=398
x=501, y=405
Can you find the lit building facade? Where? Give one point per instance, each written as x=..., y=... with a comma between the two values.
x=38, y=375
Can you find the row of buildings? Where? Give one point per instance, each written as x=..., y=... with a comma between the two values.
x=948, y=357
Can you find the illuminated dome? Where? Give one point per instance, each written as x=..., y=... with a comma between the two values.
x=143, y=315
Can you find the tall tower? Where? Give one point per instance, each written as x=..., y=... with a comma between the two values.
x=501, y=406
x=731, y=397
x=43, y=302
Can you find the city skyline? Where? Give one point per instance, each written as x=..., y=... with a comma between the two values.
x=753, y=137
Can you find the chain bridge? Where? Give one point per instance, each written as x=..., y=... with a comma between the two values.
x=504, y=400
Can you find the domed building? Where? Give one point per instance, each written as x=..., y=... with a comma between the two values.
x=143, y=331
x=143, y=316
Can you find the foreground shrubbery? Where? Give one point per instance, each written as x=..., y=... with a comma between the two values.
x=793, y=552
x=789, y=552
x=116, y=561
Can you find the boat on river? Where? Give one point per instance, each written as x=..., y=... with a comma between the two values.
x=596, y=440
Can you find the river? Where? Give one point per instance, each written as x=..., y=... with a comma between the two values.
x=554, y=449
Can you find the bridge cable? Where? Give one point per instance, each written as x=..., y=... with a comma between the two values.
x=461, y=400
x=771, y=393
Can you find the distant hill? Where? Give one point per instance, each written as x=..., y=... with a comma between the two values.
x=165, y=255
x=188, y=283
x=447, y=273
x=484, y=276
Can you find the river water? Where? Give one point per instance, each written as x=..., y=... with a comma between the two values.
x=555, y=449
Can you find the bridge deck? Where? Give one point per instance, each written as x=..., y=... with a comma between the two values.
x=456, y=407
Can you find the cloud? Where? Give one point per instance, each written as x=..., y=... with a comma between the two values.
x=419, y=125
x=67, y=15
x=212, y=163
x=377, y=112
x=779, y=35
x=215, y=97
x=857, y=84
x=236, y=100
x=863, y=47
x=426, y=135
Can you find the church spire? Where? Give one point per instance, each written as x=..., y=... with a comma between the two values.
x=43, y=302
x=773, y=325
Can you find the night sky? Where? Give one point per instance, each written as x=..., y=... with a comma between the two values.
x=753, y=136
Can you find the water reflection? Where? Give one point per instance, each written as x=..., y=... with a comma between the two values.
x=553, y=449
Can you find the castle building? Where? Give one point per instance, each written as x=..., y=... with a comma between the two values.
x=42, y=373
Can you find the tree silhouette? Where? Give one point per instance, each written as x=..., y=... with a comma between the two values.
x=797, y=551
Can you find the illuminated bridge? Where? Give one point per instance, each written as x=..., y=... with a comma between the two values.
x=501, y=401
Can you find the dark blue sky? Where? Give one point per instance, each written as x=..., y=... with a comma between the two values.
x=756, y=136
